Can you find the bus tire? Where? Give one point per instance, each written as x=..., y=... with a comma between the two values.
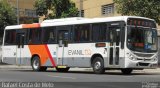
x=98, y=65
x=62, y=69
x=126, y=71
x=36, y=65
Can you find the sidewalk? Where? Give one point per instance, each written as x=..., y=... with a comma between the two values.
x=8, y=66
x=152, y=70
x=4, y=66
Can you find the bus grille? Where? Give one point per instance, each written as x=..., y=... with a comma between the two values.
x=144, y=59
x=143, y=64
x=144, y=55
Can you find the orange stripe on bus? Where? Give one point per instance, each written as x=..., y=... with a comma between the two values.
x=40, y=50
x=50, y=56
x=43, y=52
x=35, y=25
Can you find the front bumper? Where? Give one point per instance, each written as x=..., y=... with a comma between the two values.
x=141, y=64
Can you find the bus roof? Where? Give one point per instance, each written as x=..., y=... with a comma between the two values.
x=72, y=21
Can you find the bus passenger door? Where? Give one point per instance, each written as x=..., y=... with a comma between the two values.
x=20, y=47
x=114, y=48
x=63, y=37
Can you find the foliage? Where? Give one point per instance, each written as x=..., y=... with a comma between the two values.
x=56, y=8
x=145, y=8
x=7, y=15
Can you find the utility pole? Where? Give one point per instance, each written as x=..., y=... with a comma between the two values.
x=17, y=11
x=80, y=8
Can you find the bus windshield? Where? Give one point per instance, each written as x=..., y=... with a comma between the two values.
x=142, y=39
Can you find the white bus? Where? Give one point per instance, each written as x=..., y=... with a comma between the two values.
x=124, y=42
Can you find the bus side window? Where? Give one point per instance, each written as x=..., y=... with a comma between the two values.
x=49, y=35
x=99, y=32
x=111, y=36
x=10, y=37
x=82, y=33
x=76, y=34
x=35, y=36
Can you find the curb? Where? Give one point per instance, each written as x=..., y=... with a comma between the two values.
x=157, y=70
x=5, y=65
x=14, y=67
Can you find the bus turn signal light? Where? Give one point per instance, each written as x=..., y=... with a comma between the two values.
x=100, y=44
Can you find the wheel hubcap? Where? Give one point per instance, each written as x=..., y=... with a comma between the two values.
x=35, y=64
x=97, y=65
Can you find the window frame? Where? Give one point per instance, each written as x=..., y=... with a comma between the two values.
x=69, y=28
x=82, y=41
x=6, y=37
x=106, y=27
x=29, y=41
x=105, y=9
x=44, y=31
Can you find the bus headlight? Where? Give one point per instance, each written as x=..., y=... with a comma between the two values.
x=155, y=58
x=130, y=56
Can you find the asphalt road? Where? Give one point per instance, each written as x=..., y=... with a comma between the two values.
x=81, y=79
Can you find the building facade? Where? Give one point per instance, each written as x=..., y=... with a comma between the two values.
x=25, y=9
x=97, y=8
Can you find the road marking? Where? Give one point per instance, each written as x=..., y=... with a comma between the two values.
x=61, y=77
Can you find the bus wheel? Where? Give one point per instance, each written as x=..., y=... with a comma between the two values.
x=36, y=66
x=126, y=71
x=98, y=65
x=62, y=69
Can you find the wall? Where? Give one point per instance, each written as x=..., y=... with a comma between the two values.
x=92, y=8
x=26, y=9
x=24, y=4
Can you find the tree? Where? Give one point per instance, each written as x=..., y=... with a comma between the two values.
x=56, y=8
x=145, y=8
x=7, y=16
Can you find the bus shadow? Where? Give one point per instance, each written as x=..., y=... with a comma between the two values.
x=90, y=72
